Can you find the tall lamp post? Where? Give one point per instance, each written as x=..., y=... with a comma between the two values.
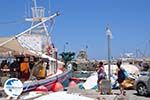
x=109, y=35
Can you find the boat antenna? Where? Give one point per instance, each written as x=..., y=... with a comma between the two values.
x=34, y=3
x=25, y=10
x=52, y=25
x=49, y=7
x=35, y=7
x=140, y=53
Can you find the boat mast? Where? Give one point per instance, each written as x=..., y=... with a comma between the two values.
x=38, y=15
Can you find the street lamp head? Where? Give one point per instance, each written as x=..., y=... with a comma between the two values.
x=108, y=31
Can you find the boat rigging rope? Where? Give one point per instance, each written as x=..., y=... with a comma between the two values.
x=13, y=22
x=52, y=25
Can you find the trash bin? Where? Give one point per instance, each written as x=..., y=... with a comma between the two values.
x=105, y=86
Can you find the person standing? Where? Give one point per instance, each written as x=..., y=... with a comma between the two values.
x=121, y=77
x=101, y=75
x=14, y=68
x=31, y=62
x=24, y=69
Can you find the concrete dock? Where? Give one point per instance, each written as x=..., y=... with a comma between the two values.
x=130, y=95
x=96, y=96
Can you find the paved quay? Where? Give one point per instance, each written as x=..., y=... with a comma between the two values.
x=95, y=95
x=130, y=94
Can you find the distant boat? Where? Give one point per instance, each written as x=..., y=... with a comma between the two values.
x=36, y=41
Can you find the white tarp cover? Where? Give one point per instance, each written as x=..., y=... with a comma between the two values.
x=131, y=69
x=91, y=81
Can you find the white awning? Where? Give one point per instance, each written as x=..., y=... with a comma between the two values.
x=13, y=46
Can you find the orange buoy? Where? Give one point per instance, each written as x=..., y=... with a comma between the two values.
x=41, y=89
x=57, y=87
x=72, y=84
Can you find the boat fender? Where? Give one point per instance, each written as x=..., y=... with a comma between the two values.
x=57, y=87
x=41, y=89
x=72, y=84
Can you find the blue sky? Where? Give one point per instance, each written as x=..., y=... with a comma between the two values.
x=83, y=22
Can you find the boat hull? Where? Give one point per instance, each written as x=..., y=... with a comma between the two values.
x=48, y=82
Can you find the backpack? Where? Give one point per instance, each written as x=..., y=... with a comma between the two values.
x=125, y=73
x=122, y=74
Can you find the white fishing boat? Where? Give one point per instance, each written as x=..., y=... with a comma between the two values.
x=36, y=41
